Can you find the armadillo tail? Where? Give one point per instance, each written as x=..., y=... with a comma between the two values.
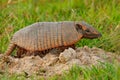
x=10, y=49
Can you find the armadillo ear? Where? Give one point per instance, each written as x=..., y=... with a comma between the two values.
x=78, y=27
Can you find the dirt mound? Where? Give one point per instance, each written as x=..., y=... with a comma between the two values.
x=52, y=64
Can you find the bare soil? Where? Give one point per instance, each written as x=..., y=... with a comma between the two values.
x=52, y=64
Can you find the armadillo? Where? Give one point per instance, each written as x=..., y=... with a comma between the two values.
x=42, y=36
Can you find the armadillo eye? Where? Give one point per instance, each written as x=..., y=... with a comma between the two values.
x=87, y=30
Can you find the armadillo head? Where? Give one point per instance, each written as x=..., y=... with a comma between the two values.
x=87, y=30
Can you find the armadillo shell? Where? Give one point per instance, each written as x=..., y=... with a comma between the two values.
x=46, y=35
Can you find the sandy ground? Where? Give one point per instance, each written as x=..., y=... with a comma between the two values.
x=52, y=64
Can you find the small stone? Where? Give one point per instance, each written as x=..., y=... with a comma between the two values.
x=67, y=55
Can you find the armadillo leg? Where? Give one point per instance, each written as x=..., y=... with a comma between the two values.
x=72, y=46
x=20, y=52
x=66, y=47
x=10, y=49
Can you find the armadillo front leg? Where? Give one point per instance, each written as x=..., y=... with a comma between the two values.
x=10, y=49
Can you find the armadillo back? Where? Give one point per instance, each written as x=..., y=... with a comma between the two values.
x=46, y=35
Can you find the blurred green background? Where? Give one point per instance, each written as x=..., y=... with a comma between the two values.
x=104, y=15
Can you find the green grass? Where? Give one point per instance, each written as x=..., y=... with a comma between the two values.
x=104, y=15
x=106, y=71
